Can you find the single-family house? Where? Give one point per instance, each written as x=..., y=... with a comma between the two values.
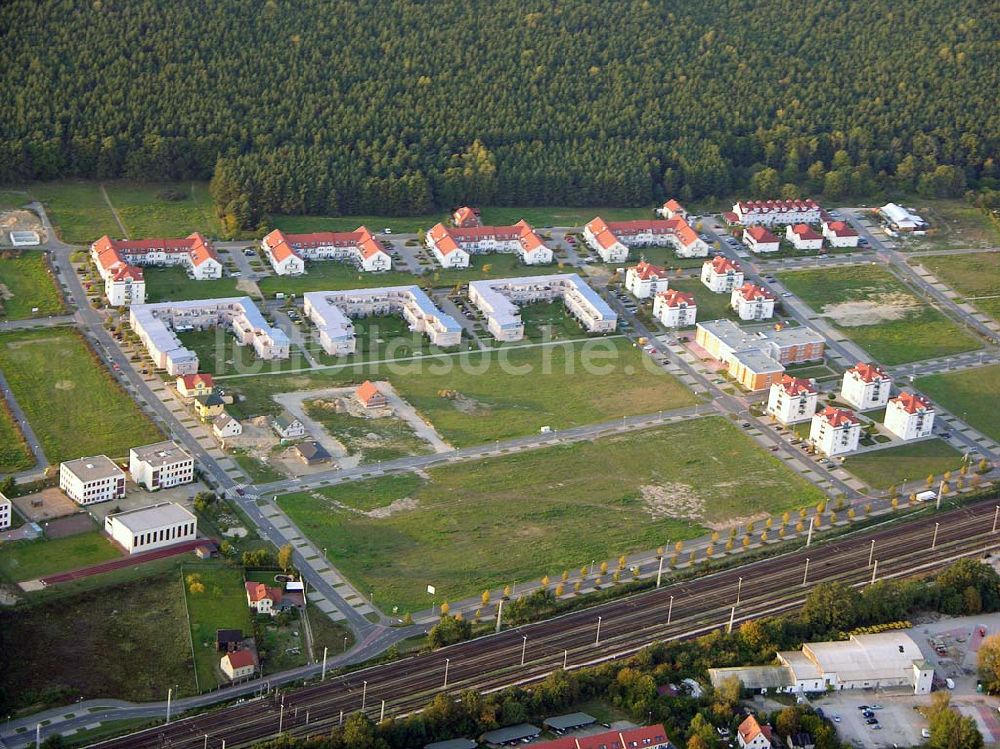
x=209, y=406
x=193, y=385
x=312, y=453
x=645, y=279
x=225, y=426
x=370, y=396
x=239, y=664
x=760, y=240
x=792, y=400
x=672, y=209
x=466, y=217
x=752, y=735
x=288, y=426
x=263, y=599
x=840, y=234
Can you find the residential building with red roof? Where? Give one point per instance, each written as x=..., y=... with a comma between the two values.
x=453, y=246
x=777, y=212
x=191, y=385
x=792, y=399
x=721, y=275
x=288, y=252
x=118, y=263
x=643, y=737
x=752, y=302
x=835, y=431
x=370, y=396
x=263, y=599
x=675, y=309
x=803, y=237
x=760, y=240
x=466, y=217
x=612, y=240
x=645, y=279
x=752, y=735
x=672, y=209
x=239, y=664
x=909, y=416
x=866, y=386
x=840, y=234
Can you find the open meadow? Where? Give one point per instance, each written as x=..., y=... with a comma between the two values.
x=478, y=525
x=216, y=599
x=14, y=453
x=332, y=275
x=70, y=399
x=894, y=465
x=26, y=283
x=879, y=313
x=164, y=209
x=480, y=396
x=975, y=276
x=173, y=284
x=955, y=225
x=971, y=395
x=29, y=560
x=77, y=210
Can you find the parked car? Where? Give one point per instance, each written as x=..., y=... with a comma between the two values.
x=871, y=721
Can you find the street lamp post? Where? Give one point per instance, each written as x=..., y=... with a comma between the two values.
x=597, y=641
x=996, y=516
x=364, y=695
x=670, y=609
x=874, y=571
x=805, y=574
x=871, y=553
x=170, y=694
x=524, y=648
x=934, y=540
x=447, y=663
x=739, y=590
x=323, y=676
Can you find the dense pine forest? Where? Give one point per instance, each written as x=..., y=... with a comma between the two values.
x=398, y=106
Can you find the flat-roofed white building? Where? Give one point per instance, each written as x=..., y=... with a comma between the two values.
x=899, y=220
x=150, y=528
x=288, y=252
x=675, y=309
x=866, y=386
x=645, y=279
x=453, y=245
x=792, y=400
x=752, y=302
x=160, y=465
x=777, y=212
x=909, y=416
x=840, y=234
x=804, y=237
x=157, y=326
x=498, y=300
x=25, y=239
x=90, y=480
x=835, y=431
x=331, y=313
x=612, y=240
x=5, y=512
x=760, y=240
x=721, y=275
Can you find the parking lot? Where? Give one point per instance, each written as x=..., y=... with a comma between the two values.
x=898, y=722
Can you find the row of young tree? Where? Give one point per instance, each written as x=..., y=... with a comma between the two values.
x=395, y=106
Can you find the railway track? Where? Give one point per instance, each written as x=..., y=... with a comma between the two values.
x=612, y=630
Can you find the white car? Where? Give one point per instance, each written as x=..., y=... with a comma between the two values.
x=925, y=733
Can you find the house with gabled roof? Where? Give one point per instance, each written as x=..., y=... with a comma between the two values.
x=452, y=246
x=752, y=302
x=792, y=399
x=804, y=237
x=752, y=735
x=612, y=240
x=760, y=240
x=288, y=426
x=672, y=209
x=370, y=396
x=192, y=385
x=840, y=234
x=675, y=309
x=909, y=416
x=288, y=252
x=466, y=217
x=866, y=386
x=645, y=279
x=835, y=431
x=721, y=275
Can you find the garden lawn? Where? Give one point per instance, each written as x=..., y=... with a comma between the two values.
x=896, y=327
x=173, y=284
x=127, y=641
x=146, y=211
x=711, y=306
x=219, y=353
x=332, y=275
x=25, y=283
x=481, y=396
x=14, y=453
x=379, y=337
x=29, y=560
x=894, y=465
x=69, y=397
x=222, y=605
x=77, y=210
x=479, y=525
x=494, y=265
x=975, y=276
x=972, y=395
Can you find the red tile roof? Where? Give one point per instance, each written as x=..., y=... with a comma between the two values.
x=673, y=206
x=761, y=235
x=796, y=385
x=912, y=402
x=241, y=659
x=646, y=271
x=805, y=232
x=777, y=206
x=869, y=372
x=836, y=417
x=449, y=239
x=282, y=246
x=367, y=391
x=840, y=229
x=192, y=381
x=675, y=298
x=608, y=232
x=642, y=737
x=752, y=292
x=722, y=264
x=466, y=216
x=259, y=591
x=111, y=252
x=750, y=729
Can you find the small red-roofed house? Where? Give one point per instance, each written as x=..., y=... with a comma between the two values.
x=909, y=416
x=370, y=396
x=263, y=599
x=760, y=240
x=645, y=279
x=752, y=302
x=675, y=309
x=835, y=431
x=721, y=275
x=866, y=386
x=192, y=385
x=466, y=217
x=804, y=237
x=672, y=209
x=792, y=400
x=239, y=664
x=752, y=735
x=840, y=234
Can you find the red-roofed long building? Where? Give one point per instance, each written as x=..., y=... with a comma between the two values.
x=645, y=279
x=866, y=386
x=453, y=246
x=792, y=400
x=118, y=263
x=288, y=252
x=909, y=416
x=777, y=212
x=612, y=240
x=752, y=302
x=644, y=737
x=835, y=431
x=721, y=275
x=675, y=309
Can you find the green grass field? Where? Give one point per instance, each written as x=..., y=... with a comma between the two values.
x=14, y=453
x=971, y=395
x=955, y=224
x=892, y=466
x=496, y=265
x=69, y=398
x=77, y=210
x=898, y=327
x=379, y=337
x=219, y=354
x=711, y=306
x=146, y=211
x=127, y=642
x=975, y=276
x=222, y=605
x=542, y=216
x=398, y=224
x=27, y=283
x=478, y=397
x=28, y=560
x=173, y=284
x=331, y=275
x=386, y=438
x=520, y=517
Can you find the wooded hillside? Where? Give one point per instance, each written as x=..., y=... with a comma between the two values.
x=339, y=106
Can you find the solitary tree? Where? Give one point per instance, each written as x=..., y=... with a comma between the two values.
x=285, y=557
x=485, y=598
x=445, y=608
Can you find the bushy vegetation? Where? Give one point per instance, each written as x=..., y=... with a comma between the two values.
x=394, y=106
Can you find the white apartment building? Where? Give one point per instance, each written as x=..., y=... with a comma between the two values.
x=151, y=528
x=792, y=400
x=866, y=386
x=498, y=301
x=804, y=237
x=454, y=245
x=5, y=512
x=835, y=431
x=124, y=283
x=721, y=275
x=612, y=240
x=840, y=234
x=909, y=416
x=90, y=480
x=160, y=465
x=675, y=309
x=752, y=302
x=645, y=279
x=157, y=326
x=288, y=252
x=331, y=312
x=760, y=240
x=672, y=209
x=777, y=212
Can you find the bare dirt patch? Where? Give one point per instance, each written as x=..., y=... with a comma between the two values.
x=19, y=220
x=885, y=308
x=70, y=525
x=672, y=500
x=45, y=505
x=399, y=505
x=65, y=385
x=466, y=404
x=5, y=293
x=736, y=522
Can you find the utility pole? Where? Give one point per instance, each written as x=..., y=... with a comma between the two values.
x=597, y=641
x=874, y=571
x=170, y=694
x=381, y=715
x=732, y=617
x=281, y=717
x=659, y=572
x=996, y=516
x=739, y=590
x=447, y=663
x=524, y=648
x=934, y=540
x=565, y=656
x=38, y=735
x=323, y=677
x=871, y=553
x=937, y=505
x=805, y=574
x=670, y=609
x=364, y=695
x=809, y=538
x=499, y=614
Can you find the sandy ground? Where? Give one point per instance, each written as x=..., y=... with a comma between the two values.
x=887, y=308
x=19, y=220
x=45, y=505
